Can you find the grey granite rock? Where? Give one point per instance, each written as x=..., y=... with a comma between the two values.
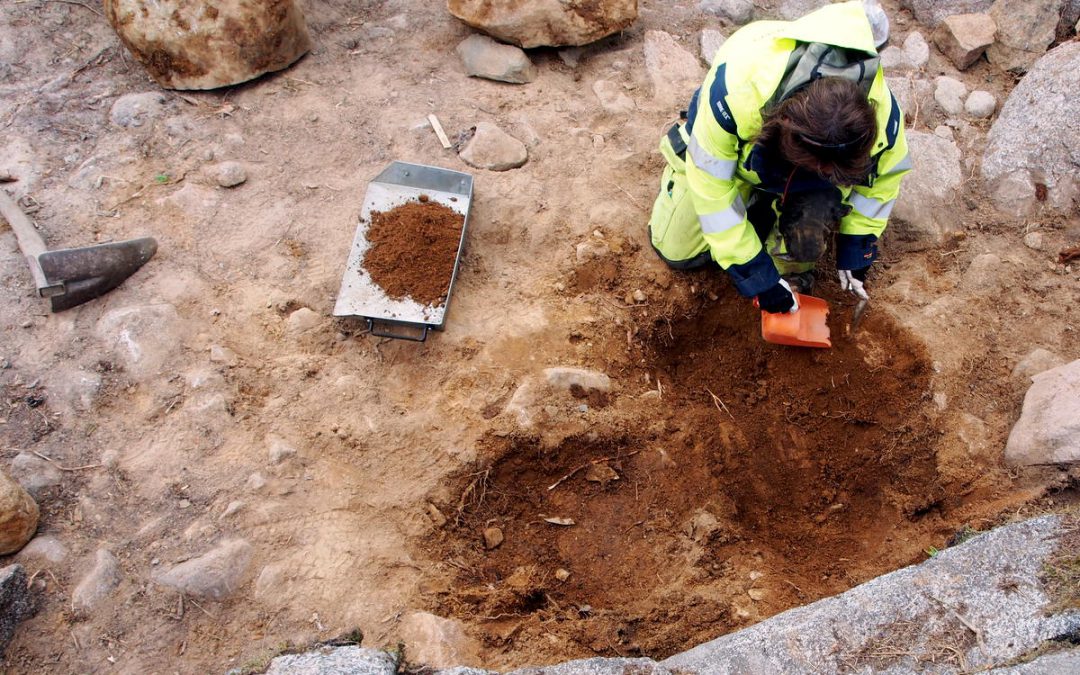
x=924, y=213
x=1057, y=663
x=215, y=575
x=15, y=602
x=98, y=584
x=989, y=584
x=349, y=660
x=1025, y=28
x=598, y=667
x=1028, y=141
x=493, y=149
x=932, y=12
x=735, y=11
x=486, y=58
x=1048, y=431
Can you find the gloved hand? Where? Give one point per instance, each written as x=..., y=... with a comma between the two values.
x=778, y=299
x=854, y=281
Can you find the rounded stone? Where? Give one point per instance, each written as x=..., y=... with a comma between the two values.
x=210, y=44
x=18, y=515
x=1034, y=240
x=229, y=174
x=980, y=104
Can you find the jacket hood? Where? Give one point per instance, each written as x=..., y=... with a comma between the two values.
x=842, y=24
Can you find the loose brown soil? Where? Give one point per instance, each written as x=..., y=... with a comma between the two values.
x=811, y=471
x=413, y=249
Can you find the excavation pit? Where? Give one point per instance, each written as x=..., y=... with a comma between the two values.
x=761, y=478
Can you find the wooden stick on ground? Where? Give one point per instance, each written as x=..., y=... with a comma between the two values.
x=439, y=131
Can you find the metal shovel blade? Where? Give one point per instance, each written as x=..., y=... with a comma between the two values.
x=807, y=327
x=72, y=276
x=91, y=271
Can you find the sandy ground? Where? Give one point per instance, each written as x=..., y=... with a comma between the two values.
x=342, y=533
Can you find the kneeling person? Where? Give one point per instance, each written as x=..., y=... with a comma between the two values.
x=792, y=136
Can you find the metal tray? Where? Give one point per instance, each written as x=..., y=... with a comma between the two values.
x=359, y=296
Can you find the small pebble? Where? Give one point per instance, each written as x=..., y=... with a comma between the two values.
x=1034, y=240
x=756, y=594
x=436, y=515
x=560, y=286
x=639, y=296
x=232, y=508
x=493, y=538
x=561, y=574
x=184, y=503
x=230, y=174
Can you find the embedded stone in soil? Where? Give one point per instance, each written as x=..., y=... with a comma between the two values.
x=809, y=472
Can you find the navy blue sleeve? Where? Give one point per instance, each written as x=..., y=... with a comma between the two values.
x=754, y=277
x=855, y=251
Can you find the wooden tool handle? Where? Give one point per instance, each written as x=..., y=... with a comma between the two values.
x=30, y=240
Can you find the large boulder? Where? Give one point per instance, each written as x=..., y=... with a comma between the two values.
x=932, y=12
x=1048, y=431
x=1034, y=138
x=546, y=23
x=925, y=212
x=18, y=515
x=1025, y=28
x=209, y=44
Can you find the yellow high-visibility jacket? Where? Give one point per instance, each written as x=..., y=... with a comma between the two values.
x=726, y=116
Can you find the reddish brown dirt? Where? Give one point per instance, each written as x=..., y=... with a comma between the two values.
x=413, y=249
x=814, y=470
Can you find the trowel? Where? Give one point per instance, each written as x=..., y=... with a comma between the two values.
x=807, y=327
x=72, y=276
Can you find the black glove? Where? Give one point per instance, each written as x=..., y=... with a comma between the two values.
x=777, y=299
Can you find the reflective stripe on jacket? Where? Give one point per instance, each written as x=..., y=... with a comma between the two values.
x=726, y=115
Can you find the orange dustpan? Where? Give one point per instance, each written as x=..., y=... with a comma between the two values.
x=807, y=327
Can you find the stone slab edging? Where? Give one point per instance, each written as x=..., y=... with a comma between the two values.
x=975, y=606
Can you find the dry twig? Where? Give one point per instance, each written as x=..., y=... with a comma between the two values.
x=80, y=4
x=587, y=465
x=64, y=468
x=629, y=196
x=719, y=404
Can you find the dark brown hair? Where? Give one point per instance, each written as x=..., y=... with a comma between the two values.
x=828, y=128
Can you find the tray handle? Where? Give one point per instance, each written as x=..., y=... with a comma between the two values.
x=387, y=333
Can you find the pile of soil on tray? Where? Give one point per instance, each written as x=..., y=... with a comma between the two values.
x=412, y=250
